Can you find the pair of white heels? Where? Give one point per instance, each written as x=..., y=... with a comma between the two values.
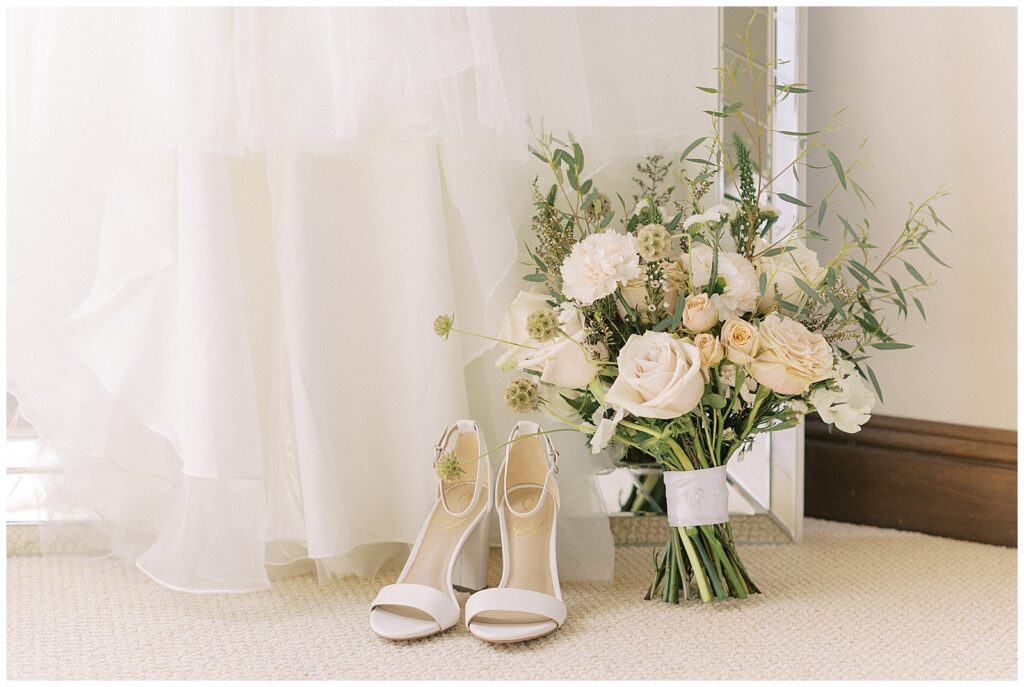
x=452, y=547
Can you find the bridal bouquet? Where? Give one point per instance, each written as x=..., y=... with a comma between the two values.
x=683, y=329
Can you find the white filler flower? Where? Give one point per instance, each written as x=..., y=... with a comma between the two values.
x=849, y=407
x=598, y=264
x=605, y=429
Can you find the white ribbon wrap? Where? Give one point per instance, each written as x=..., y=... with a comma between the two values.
x=696, y=497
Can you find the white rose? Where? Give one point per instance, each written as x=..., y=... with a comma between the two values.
x=849, y=407
x=699, y=313
x=741, y=288
x=598, y=264
x=564, y=361
x=513, y=328
x=740, y=339
x=784, y=269
x=791, y=358
x=659, y=376
x=711, y=349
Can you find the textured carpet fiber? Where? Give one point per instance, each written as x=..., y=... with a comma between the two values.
x=849, y=602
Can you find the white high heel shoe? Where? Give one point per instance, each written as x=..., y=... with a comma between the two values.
x=527, y=603
x=451, y=550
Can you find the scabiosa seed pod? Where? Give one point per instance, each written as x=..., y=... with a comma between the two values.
x=448, y=467
x=542, y=325
x=443, y=326
x=522, y=395
x=653, y=242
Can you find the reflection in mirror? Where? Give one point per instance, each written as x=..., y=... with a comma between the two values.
x=767, y=480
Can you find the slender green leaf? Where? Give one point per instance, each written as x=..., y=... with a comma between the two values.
x=890, y=346
x=838, y=166
x=806, y=288
x=933, y=255
x=799, y=133
x=867, y=273
x=790, y=199
x=778, y=250
x=847, y=228
x=535, y=278
x=874, y=383
x=707, y=89
x=920, y=308
x=791, y=88
x=913, y=272
x=578, y=155
x=690, y=148
x=861, y=193
x=781, y=426
x=899, y=291
x=821, y=211
x=836, y=303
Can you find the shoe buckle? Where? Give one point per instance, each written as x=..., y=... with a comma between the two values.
x=554, y=454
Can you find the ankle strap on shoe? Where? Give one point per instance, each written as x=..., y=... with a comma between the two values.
x=478, y=483
x=550, y=456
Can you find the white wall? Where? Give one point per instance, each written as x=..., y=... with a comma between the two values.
x=934, y=91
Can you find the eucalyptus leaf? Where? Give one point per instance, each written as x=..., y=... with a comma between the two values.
x=535, y=278
x=874, y=383
x=920, y=308
x=810, y=291
x=933, y=256
x=690, y=148
x=838, y=166
x=790, y=199
x=791, y=88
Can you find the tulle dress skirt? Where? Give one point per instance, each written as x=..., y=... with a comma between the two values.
x=230, y=230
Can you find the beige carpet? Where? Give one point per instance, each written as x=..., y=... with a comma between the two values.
x=849, y=602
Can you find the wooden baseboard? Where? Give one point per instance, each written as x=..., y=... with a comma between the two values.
x=951, y=480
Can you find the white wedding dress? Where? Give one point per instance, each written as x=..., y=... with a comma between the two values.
x=230, y=231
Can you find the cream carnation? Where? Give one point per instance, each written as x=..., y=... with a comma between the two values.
x=659, y=376
x=741, y=289
x=598, y=264
x=791, y=357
